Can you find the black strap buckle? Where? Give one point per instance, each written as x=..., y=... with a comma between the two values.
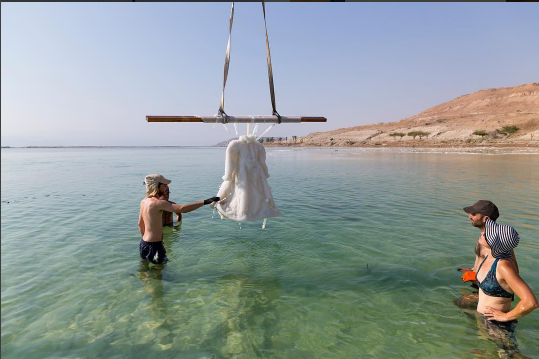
x=224, y=115
x=275, y=113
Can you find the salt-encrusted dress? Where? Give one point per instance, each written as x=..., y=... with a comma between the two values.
x=245, y=193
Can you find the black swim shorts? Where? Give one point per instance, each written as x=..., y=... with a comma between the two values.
x=153, y=251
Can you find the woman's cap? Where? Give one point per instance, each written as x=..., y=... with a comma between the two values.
x=484, y=207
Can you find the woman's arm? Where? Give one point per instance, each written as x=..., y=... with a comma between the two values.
x=514, y=259
x=528, y=301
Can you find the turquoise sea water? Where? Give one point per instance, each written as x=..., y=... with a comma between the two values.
x=361, y=263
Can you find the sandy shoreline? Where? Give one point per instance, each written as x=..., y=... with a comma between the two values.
x=426, y=147
x=499, y=149
x=456, y=150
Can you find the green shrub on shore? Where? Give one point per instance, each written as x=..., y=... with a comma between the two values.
x=509, y=129
x=480, y=133
x=395, y=134
x=421, y=134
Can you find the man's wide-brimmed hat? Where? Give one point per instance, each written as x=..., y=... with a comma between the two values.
x=155, y=179
x=484, y=207
x=500, y=238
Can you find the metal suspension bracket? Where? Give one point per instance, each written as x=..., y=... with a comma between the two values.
x=222, y=117
x=236, y=119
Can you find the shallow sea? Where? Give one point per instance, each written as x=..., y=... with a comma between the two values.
x=360, y=264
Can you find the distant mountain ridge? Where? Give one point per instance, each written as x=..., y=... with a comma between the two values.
x=450, y=123
x=225, y=143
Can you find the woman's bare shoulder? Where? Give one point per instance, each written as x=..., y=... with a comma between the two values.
x=506, y=266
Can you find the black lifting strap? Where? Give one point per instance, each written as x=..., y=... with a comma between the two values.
x=227, y=64
x=270, y=71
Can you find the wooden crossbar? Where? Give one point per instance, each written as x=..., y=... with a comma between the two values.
x=236, y=119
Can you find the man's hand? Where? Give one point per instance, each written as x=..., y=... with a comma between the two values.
x=211, y=200
x=495, y=314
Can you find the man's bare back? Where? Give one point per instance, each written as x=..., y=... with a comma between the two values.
x=151, y=214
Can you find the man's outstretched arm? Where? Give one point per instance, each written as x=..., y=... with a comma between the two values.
x=185, y=208
x=192, y=206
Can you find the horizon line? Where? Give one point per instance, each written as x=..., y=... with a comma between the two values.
x=113, y=146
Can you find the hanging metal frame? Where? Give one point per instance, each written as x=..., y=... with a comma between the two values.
x=222, y=116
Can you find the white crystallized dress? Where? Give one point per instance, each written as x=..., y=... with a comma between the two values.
x=245, y=193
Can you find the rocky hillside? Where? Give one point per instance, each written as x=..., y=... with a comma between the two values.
x=507, y=116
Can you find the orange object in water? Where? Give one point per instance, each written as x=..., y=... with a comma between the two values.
x=469, y=276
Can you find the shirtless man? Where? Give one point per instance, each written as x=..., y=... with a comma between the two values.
x=150, y=220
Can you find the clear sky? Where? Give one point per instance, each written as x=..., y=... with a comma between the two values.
x=83, y=74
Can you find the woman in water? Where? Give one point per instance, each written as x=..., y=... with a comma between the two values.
x=499, y=281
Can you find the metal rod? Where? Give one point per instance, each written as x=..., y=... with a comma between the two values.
x=173, y=119
x=236, y=119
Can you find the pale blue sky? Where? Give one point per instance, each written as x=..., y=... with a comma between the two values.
x=88, y=73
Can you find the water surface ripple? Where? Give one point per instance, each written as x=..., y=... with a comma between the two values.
x=361, y=263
